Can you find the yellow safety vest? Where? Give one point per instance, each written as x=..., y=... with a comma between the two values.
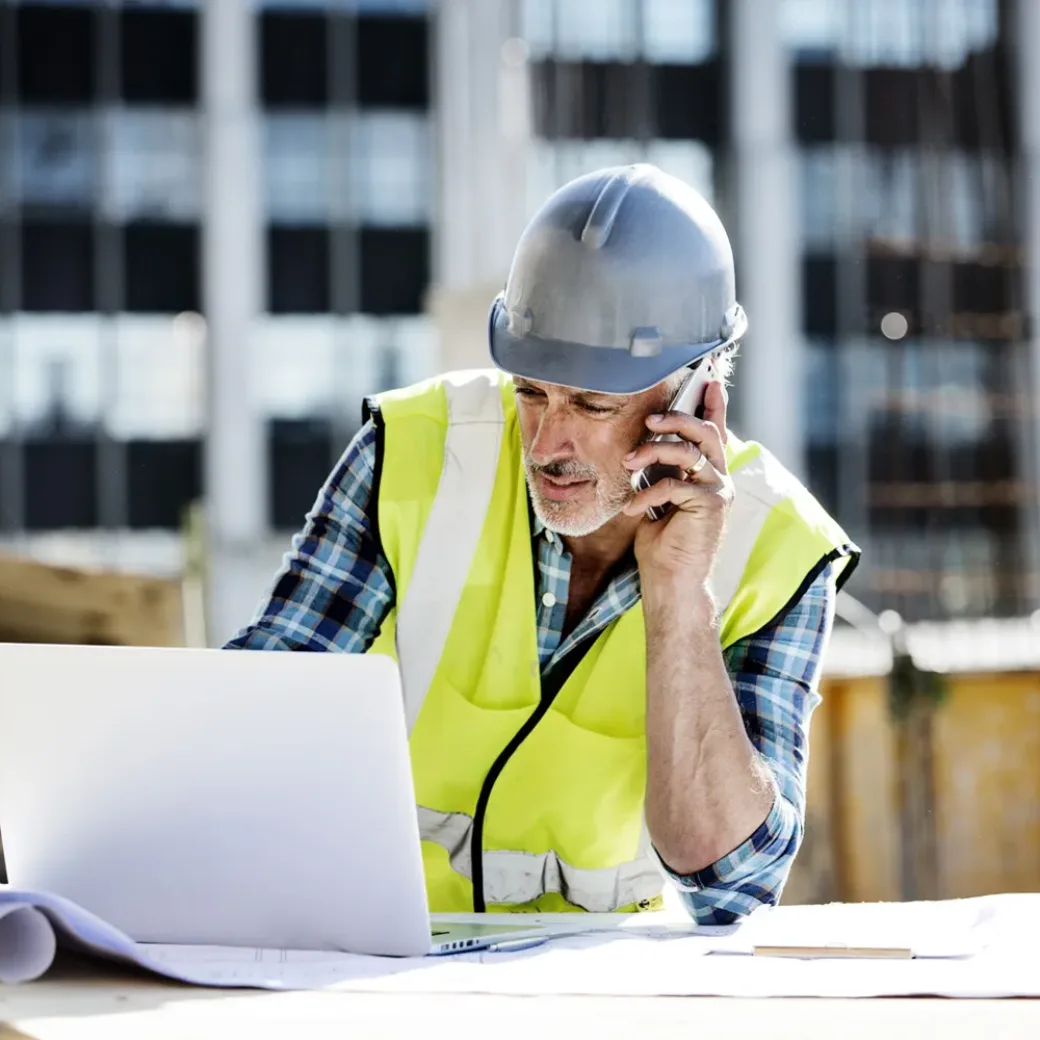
x=531, y=799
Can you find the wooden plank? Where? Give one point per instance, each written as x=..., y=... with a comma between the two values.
x=40, y=603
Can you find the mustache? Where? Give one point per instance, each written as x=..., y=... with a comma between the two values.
x=560, y=468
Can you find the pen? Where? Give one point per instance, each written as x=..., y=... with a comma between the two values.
x=515, y=945
x=835, y=950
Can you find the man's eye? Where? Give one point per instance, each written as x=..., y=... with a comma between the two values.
x=594, y=409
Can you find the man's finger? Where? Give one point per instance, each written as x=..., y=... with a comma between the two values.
x=704, y=434
x=683, y=494
x=715, y=407
x=682, y=454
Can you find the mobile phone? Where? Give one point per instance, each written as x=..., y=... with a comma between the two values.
x=688, y=398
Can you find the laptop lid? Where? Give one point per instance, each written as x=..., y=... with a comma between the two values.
x=214, y=796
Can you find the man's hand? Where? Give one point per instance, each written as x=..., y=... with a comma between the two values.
x=707, y=789
x=682, y=546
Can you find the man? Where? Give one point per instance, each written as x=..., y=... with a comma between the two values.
x=595, y=700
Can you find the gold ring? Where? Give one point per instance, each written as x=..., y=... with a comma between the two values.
x=693, y=470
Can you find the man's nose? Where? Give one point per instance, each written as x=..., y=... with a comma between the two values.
x=552, y=440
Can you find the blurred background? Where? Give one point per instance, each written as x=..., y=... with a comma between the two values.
x=222, y=223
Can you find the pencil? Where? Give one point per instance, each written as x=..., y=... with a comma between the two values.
x=809, y=952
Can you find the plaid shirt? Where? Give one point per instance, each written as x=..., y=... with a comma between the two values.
x=335, y=588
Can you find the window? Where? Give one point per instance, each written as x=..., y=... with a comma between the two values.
x=154, y=167
x=162, y=270
x=297, y=373
x=536, y=27
x=687, y=102
x=393, y=62
x=297, y=164
x=819, y=172
x=814, y=106
x=984, y=288
x=891, y=190
x=60, y=483
x=57, y=266
x=391, y=162
x=57, y=157
x=298, y=270
x=293, y=59
x=300, y=455
x=56, y=365
x=395, y=270
x=890, y=33
x=823, y=482
x=820, y=295
x=812, y=28
x=162, y=479
x=610, y=34
x=159, y=56
x=7, y=384
x=893, y=284
x=680, y=31
x=56, y=53
x=159, y=370
x=822, y=393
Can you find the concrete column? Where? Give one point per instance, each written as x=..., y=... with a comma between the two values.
x=483, y=127
x=769, y=381
x=233, y=266
x=1025, y=34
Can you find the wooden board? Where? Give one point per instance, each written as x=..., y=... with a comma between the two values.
x=40, y=603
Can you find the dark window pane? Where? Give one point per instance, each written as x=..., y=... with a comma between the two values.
x=299, y=457
x=293, y=64
x=57, y=267
x=163, y=477
x=688, y=100
x=159, y=52
x=298, y=270
x=894, y=98
x=893, y=283
x=56, y=53
x=395, y=270
x=60, y=484
x=814, y=103
x=992, y=125
x=162, y=267
x=393, y=65
x=983, y=288
x=8, y=32
x=819, y=295
x=823, y=474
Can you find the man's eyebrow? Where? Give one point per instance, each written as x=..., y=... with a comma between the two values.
x=599, y=400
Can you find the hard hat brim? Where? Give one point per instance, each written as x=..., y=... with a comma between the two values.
x=602, y=370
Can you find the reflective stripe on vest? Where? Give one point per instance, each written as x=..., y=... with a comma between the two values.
x=426, y=612
x=521, y=877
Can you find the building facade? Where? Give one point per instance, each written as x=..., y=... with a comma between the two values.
x=222, y=223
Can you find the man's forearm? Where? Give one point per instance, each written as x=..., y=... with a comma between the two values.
x=707, y=788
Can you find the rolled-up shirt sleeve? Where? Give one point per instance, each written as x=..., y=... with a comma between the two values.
x=775, y=675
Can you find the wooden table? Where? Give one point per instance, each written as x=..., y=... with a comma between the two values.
x=81, y=1000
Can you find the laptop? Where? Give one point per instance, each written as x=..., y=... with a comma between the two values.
x=219, y=797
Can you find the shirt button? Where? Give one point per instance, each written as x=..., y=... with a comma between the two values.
x=548, y=600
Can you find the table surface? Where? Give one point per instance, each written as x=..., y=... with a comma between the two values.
x=84, y=1000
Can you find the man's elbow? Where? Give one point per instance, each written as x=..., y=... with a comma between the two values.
x=751, y=876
